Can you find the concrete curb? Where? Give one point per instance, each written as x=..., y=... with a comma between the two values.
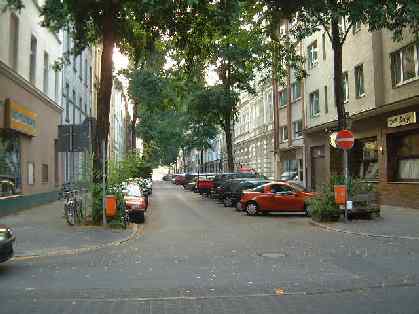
x=137, y=230
x=363, y=234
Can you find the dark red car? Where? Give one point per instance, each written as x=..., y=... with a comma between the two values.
x=275, y=197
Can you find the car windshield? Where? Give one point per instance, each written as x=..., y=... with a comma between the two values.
x=288, y=175
x=133, y=190
x=297, y=187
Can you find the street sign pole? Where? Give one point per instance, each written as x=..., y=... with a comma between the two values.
x=104, y=183
x=345, y=140
x=345, y=160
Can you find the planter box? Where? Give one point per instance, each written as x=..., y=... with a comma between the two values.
x=326, y=217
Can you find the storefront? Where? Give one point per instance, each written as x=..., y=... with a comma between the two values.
x=29, y=163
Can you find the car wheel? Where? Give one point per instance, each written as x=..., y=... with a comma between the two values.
x=252, y=208
x=228, y=202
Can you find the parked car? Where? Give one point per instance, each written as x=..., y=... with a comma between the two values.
x=135, y=202
x=167, y=177
x=276, y=197
x=191, y=186
x=289, y=176
x=180, y=179
x=205, y=184
x=220, y=181
x=7, y=238
x=232, y=197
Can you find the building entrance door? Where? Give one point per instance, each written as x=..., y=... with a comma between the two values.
x=318, y=167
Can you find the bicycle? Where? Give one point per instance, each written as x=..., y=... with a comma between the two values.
x=73, y=207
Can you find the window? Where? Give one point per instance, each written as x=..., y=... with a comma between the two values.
x=32, y=60
x=404, y=156
x=359, y=81
x=356, y=27
x=365, y=158
x=90, y=78
x=46, y=73
x=57, y=85
x=31, y=173
x=324, y=45
x=314, y=104
x=81, y=66
x=284, y=133
x=295, y=90
x=44, y=173
x=312, y=55
x=283, y=98
x=345, y=87
x=297, y=129
x=14, y=41
x=326, y=101
x=85, y=71
x=74, y=106
x=67, y=102
x=404, y=64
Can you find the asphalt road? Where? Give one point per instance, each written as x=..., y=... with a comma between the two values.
x=196, y=256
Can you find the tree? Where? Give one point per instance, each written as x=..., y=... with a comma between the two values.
x=223, y=36
x=129, y=24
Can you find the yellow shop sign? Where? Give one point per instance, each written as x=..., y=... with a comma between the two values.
x=20, y=119
x=402, y=119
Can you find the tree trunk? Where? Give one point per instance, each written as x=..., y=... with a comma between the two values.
x=105, y=90
x=229, y=144
x=337, y=69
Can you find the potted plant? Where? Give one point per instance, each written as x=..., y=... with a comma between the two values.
x=323, y=207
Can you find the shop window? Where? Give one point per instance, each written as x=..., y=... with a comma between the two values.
x=44, y=173
x=10, y=159
x=365, y=159
x=404, y=156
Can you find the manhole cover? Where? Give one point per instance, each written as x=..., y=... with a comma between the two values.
x=272, y=255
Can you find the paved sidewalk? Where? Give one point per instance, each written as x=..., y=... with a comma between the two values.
x=394, y=223
x=44, y=231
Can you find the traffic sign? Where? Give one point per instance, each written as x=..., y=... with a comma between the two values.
x=345, y=139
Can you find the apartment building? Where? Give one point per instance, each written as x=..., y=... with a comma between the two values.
x=30, y=106
x=253, y=133
x=381, y=92
x=77, y=82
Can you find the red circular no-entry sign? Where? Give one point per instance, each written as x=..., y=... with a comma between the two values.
x=345, y=139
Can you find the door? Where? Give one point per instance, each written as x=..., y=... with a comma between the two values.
x=318, y=167
x=287, y=199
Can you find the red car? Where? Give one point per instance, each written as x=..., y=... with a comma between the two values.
x=180, y=179
x=136, y=203
x=275, y=197
x=205, y=185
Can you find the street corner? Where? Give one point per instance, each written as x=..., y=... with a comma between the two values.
x=83, y=240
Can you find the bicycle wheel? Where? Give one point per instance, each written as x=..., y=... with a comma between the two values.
x=71, y=215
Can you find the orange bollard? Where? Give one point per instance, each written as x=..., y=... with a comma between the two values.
x=110, y=202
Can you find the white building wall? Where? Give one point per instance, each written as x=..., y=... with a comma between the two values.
x=29, y=24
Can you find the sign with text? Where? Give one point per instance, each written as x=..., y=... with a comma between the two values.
x=402, y=119
x=19, y=118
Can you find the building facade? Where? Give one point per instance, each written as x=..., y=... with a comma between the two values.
x=77, y=95
x=253, y=133
x=30, y=105
x=381, y=94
